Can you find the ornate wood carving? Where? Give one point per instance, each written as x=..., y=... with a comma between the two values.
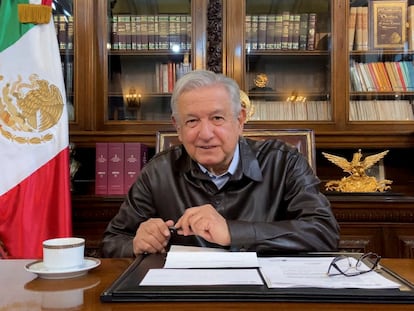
x=215, y=36
x=372, y=215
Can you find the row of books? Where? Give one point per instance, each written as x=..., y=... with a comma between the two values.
x=381, y=110
x=166, y=74
x=382, y=76
x=64, y=30
x=151, y=32
x=285, y=31
x=359, y=27
x=360, y=110
x=117, y=166
x=287, y=110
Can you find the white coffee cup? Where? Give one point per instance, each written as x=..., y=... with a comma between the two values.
x=63, y=253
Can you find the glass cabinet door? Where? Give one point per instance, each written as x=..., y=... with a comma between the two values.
x=381, y=71
x=149, y=48
x=64, y=25
x=288, y=60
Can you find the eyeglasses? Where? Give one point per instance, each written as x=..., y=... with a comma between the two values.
x=350, y=266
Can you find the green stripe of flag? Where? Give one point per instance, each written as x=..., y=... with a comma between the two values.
x=10, y=28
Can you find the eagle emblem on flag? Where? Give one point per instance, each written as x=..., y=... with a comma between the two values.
x=28, y=109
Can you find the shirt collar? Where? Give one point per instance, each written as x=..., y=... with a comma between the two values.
x=248, y=164
x=232, y=167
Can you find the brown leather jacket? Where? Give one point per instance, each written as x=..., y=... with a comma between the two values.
x=271, y=203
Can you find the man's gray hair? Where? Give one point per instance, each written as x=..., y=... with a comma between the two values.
x=204, y=78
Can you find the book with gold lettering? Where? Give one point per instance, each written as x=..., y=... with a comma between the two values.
x=248, y=31
x=101, y=169
x=261, y=32
x=311, y=31
x=303, y=31
x=388, y=28
x=115, y=168
x=255, y=25
x=295, y=32
x=285, y=30
x=270, y=32
x=136, y=155
x=278, y=31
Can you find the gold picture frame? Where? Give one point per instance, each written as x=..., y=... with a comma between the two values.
x=388, y=24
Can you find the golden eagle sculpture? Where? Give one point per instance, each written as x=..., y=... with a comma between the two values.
x=358, y=180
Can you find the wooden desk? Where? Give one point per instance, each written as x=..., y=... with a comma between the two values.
x=22, y=290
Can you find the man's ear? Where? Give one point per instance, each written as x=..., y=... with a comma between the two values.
x=177, y=127
x=242, y=118
x=174, y=122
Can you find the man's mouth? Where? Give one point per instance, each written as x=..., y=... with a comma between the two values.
x=207, y=147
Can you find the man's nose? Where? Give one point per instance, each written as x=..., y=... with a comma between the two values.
x=206, y=130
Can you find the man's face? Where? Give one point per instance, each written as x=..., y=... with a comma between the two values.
x=207, y=127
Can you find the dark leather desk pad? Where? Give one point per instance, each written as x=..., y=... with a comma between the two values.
x=127, y=288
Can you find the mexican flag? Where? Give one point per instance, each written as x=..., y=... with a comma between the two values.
x=34, y=153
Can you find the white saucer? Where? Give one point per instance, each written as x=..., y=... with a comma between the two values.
x=38, y=268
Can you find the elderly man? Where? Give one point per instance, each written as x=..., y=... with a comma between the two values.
x=220, y=189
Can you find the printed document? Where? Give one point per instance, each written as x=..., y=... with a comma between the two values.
x=200, y=257
x=210, y=266
x=283, y=272
x=189, y=265
x=182, y=277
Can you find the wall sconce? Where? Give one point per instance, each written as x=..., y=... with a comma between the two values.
x=296, y=98
x=133, y=99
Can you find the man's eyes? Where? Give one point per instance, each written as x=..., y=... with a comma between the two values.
x=216, y=120
x=192, y=122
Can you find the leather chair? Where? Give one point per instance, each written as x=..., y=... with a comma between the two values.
x=302, y=139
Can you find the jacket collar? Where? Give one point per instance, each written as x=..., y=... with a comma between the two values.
x=248, y=165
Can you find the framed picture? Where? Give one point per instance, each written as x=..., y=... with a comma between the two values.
x=388, y=24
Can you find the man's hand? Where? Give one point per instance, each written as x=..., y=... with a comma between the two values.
x=206, y=222
x=152, y=236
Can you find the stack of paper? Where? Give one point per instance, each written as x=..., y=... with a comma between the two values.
x=203, y=266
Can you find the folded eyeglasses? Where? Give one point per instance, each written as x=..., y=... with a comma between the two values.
x=350, y=266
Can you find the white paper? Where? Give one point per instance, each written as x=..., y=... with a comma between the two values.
x=184, y=248
x=282, y=272
x=182, y=277
x=209, y=258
